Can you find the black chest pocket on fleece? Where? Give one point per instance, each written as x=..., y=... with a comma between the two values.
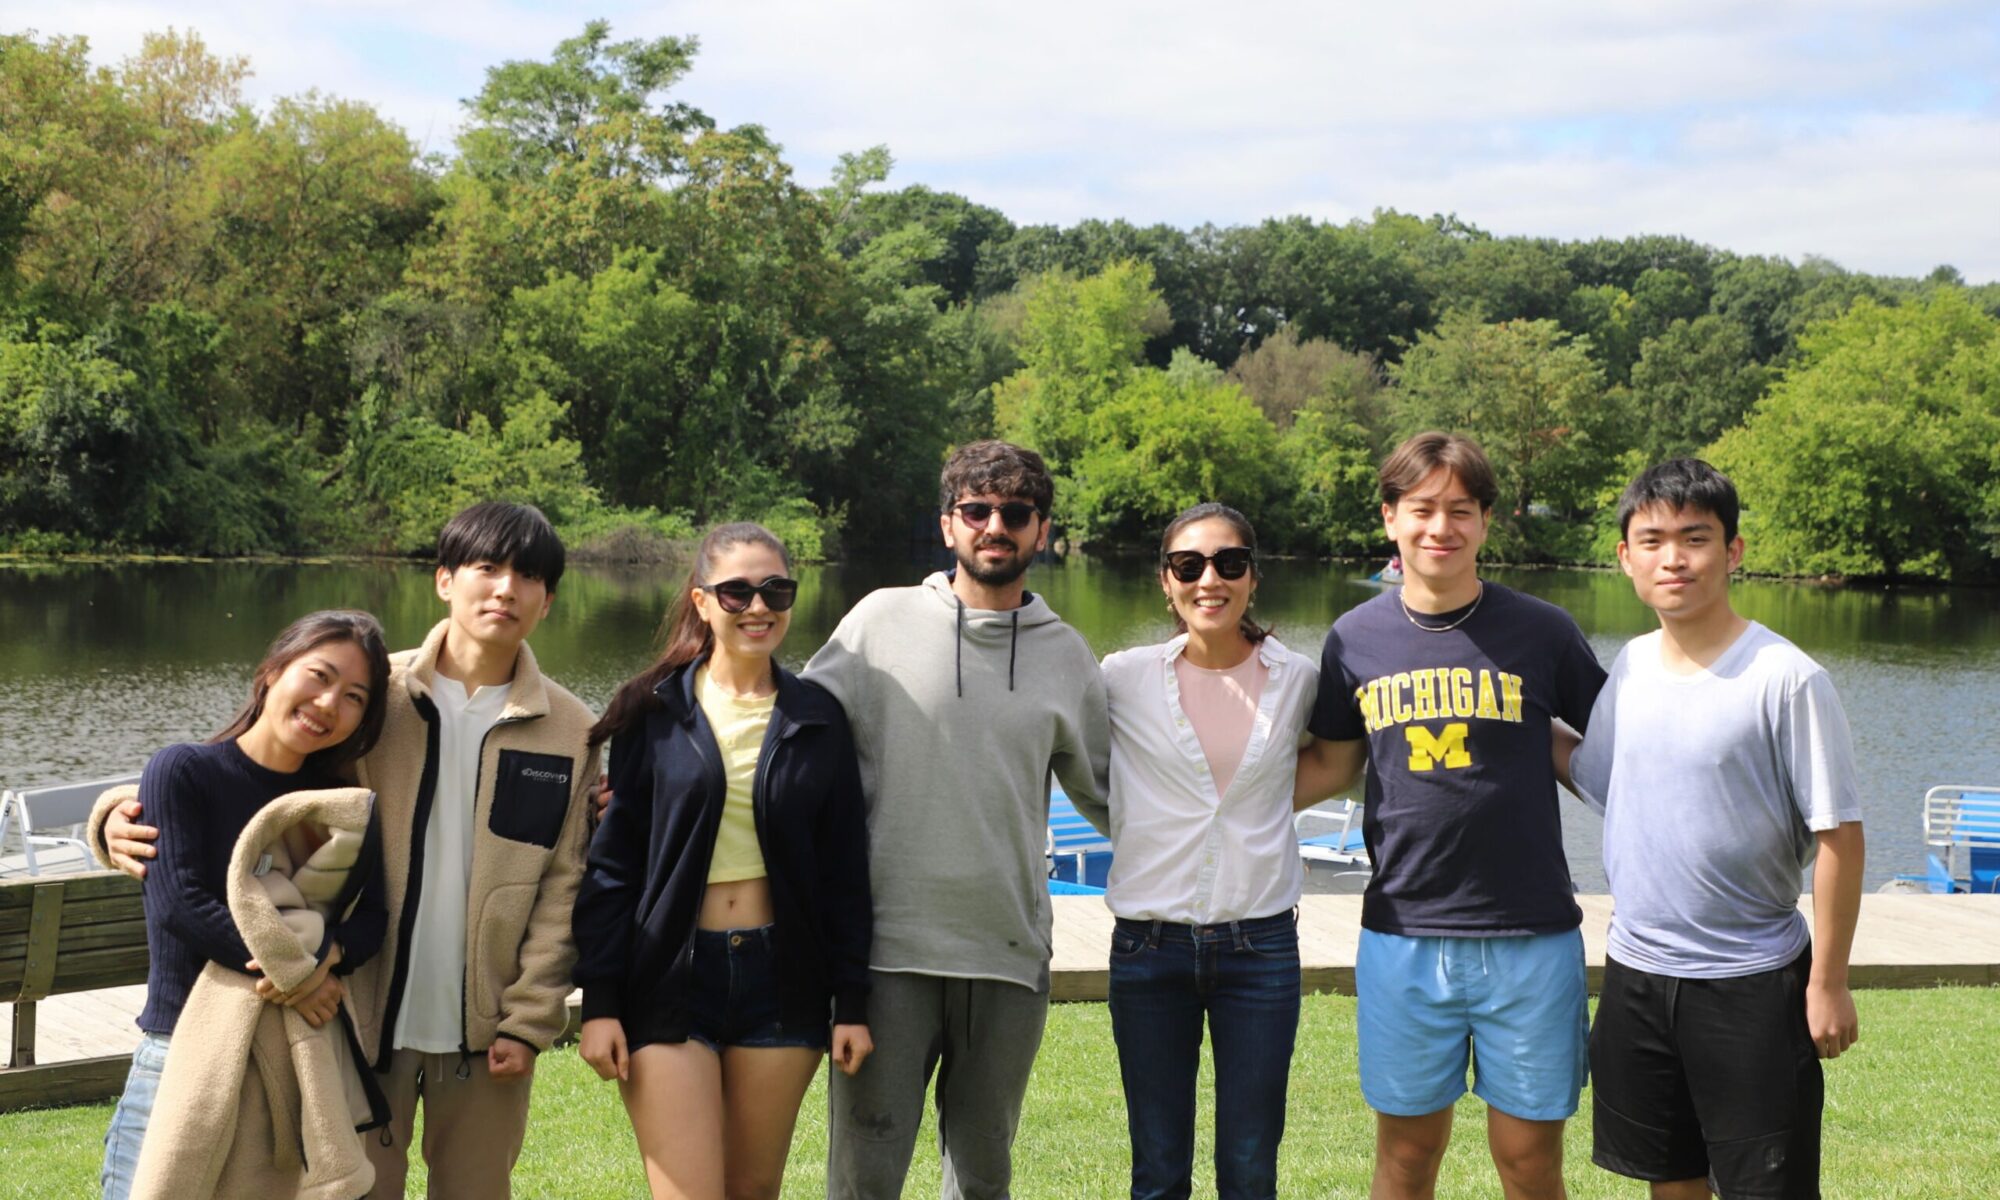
x=531, y=797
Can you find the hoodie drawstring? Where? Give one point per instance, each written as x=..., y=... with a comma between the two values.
x=958, y=647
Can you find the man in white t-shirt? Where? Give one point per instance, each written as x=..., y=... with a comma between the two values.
x=1721, y=759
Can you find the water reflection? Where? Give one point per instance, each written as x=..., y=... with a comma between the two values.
x=100, y=664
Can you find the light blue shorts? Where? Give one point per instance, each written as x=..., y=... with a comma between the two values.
x=1512, y=1008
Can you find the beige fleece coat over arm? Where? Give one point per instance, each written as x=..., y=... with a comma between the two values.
x=254, y=1102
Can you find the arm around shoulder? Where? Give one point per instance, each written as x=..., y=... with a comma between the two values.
x=607, y=897
x=845, y=889
x=1082, y=761
x=1327, y=768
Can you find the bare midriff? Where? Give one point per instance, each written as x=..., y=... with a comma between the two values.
x=741, y=904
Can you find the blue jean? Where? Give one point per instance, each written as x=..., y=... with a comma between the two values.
x=1243, y=977
x=129, y=1119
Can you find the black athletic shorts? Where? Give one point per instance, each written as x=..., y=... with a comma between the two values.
x=1708, y=1077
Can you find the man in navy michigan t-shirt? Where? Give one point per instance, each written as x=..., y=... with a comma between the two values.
x=1470, y=950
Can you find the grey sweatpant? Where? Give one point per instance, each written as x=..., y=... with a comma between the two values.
x=980, y=1036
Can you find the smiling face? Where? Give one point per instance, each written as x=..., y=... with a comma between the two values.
x=493, y=604
x=316, y=701
x=1211, y=606
x=1438, y=527
x=990, y=552
x=756, y=631
x=1678, y=560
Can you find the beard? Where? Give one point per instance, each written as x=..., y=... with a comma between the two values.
x=996, y=574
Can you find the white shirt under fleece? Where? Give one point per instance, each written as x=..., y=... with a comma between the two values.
x=1712, y=786
x=432, y=1018
x=1183, y=852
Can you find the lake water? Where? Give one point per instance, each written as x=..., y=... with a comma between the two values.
x=101, y=664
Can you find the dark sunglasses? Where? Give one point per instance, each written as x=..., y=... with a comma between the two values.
x=1231, y=562
x=1013, y=514
x=734, y=595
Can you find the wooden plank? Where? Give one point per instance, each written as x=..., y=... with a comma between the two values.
x=1902, y=941
x=81, y=885
x=84, y=971
x=80, y=913
x=81, y=1081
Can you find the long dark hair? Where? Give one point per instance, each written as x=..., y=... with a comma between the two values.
x=684, y=636
x=1213, y=511
x=309, y=633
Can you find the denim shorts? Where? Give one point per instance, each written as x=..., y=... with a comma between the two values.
x=734, y=1000
x=1511, y=1008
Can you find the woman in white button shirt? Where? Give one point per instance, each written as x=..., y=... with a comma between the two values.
x=1205, y=875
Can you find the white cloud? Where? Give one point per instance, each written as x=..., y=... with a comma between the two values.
x=1837, y=127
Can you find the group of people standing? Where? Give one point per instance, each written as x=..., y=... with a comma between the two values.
x=849, y=862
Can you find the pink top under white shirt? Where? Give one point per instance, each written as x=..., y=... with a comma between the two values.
x=1202, y=764
x=1221, y=704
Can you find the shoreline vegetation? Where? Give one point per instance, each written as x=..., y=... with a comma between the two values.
x=237, y=331
x=661, y=552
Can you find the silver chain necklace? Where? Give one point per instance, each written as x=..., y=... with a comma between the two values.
x=1412, y=617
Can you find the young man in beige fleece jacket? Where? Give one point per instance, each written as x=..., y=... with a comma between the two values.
x=480, y=778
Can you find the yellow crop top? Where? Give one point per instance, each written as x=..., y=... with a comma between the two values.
x=739, y=724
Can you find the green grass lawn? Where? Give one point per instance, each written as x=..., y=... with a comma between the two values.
x=1912, y=1111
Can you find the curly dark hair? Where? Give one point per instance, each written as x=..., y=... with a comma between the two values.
x=996, y=468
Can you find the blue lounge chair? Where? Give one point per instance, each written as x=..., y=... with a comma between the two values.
x=1964, y=824
x=1078, y=854
x=1340, y=846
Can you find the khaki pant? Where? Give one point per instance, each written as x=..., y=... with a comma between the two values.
x=473, y=1127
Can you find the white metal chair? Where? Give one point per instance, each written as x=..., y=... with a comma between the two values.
x=1340, y=846
x=38, y=813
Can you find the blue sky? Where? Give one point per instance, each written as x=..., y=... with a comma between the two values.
x=1865, y=131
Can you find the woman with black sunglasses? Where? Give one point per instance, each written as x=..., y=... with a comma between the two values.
x=1205, y=871
x=723, y=924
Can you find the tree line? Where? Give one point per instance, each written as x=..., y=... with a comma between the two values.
x=227, y=331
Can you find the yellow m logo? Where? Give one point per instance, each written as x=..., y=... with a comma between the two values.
x=1428, y=749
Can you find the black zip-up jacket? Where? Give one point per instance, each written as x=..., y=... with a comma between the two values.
x=648, y=867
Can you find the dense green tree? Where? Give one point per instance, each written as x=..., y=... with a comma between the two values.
x=1696, y=379
x=963, y=230
x=1757, y=294
x=1506, y=279
x=1081, y=340
x=1287, y=377
x=1607, y=316
x=1331, y=463
x=1165, y=440
x=1620, y=262
x=1878, y=451
x=1531, y=395
x=1337, y=283
x=313, y=209
x=96, y=165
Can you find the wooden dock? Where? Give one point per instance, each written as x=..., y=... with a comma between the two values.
x=1904, y=941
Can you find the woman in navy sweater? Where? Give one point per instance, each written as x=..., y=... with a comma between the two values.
x=316, y=702
x=722, y=927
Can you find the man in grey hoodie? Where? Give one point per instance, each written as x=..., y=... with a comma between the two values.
x=964, y=693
